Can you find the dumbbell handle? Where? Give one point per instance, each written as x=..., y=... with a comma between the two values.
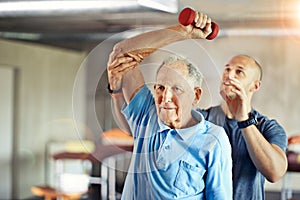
x=187, y=16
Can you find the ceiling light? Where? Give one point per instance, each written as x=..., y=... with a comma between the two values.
x=18, y=7
x=170, y=6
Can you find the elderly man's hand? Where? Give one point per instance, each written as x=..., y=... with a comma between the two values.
x=201, y=27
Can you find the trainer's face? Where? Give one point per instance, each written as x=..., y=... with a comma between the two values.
x=174, y=95
x=243, y=70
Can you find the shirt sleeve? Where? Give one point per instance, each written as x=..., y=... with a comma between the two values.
x=219, y=176
x=138, y=109
x=273, y=132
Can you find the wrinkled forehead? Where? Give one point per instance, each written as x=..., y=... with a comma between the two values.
x=178, y=67
x=175, y=72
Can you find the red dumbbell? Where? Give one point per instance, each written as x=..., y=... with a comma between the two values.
x=187, y=16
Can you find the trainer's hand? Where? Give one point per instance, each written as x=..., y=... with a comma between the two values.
x=239, y=105
x=117, y=68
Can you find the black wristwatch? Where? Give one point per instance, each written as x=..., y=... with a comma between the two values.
x=110, y=91
x=250, y=121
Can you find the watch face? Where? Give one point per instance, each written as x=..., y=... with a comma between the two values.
x=252, y=116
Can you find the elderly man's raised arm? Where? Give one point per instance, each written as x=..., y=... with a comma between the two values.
x=144, y=44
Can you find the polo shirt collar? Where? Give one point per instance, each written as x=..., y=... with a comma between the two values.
x=186, y=133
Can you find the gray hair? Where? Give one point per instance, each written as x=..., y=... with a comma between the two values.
x=194, y=73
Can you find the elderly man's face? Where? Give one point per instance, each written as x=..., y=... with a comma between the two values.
x=174, y=95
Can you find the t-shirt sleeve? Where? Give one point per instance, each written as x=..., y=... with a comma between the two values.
x=274, y=133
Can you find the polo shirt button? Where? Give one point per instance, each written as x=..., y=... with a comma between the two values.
x=161, y=165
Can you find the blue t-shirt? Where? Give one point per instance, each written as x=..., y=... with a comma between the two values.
x=186, y=164
x=248, y=182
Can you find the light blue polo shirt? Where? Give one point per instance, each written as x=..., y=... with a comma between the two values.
x=191, y=163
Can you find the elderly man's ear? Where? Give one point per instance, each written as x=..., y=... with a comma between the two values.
x=198, y=93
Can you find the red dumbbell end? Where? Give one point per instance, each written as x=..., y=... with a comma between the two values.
x=186, y=16
x=215, y=31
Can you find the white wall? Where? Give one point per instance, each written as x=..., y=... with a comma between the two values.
x=6, y=130
x=44, y=111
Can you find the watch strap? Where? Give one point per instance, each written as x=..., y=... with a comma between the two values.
x=110, y=91
x=250, y=121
